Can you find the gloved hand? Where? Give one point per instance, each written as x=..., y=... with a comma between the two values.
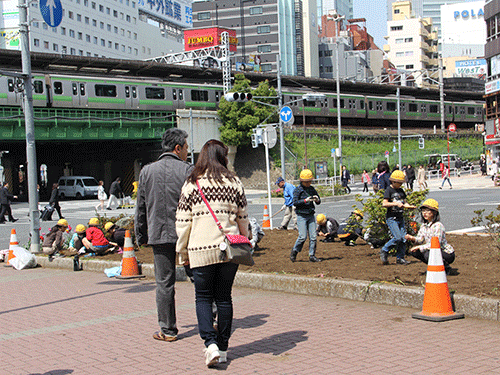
x=315, y=198
x=283, y=208
x=308, y=199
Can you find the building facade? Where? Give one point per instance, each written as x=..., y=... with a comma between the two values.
x=125, y=29
x=343, y=7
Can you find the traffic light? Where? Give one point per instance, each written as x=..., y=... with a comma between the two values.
x=237, y=96
x=256, y=137
x=421, y=143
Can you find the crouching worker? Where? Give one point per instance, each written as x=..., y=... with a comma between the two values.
x=350, y=229
x=327, y=228
x=375, y=236
x=116, y=233
x=76, y=242
x=55, y=239
x=431, y=227
x=256, y=232
x=94, y=239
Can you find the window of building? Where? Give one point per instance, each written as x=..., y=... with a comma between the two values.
x=117, y=46
x=116, y=30
x=72, y=33
x=95, y=40
x=136, y=51
x=86, y=3
x=101, y=8
x=399, y=40
x=408, y=40
x=108, y=10
x=203, y=16
x=55, y=47
x=409, y=53
x=115, y=13
x=199, y=95
x=122, y=32
x=58, y=88
x=45, y=26
x=328, y=53
x=133, y=4
x=400, y=54
x=396, y=11
x=263, y=29
x=46, y=45
x=70, y=15
x=110, y=44
x=87, y=20
x=63, y=31
x=122, y=16
x=36, y=24
x=93, y=5
x=89, y=54
x=409, y=66
x=109, y=27
x=105, y=90
x=101, y=25
x=396, y=28
x=123, y=49
x=134, y=20
x=87, y=38
x=266, y=67
x=264, y=48
x=130, y=50
x=72, y=51
x=128, y=18
x=36, y=42
x=103, y=43
x=129, y=34
x=256, y=10
x=94, y=23
x=135, y=36
x=79, y=17
x=157, y=93
x=80, y=52
x=54, y=30
x=80, y=36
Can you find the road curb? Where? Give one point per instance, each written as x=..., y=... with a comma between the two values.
x=362, y=291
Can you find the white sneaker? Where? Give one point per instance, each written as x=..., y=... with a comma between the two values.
x=223, y=356
x=212, y=355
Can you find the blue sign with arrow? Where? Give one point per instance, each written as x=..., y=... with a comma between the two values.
x=286, y=114
x=52, y=12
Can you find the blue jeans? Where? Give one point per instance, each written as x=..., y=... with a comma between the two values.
x=214, y=283
x=306, y=224
x=397, y=228
x=446, y=179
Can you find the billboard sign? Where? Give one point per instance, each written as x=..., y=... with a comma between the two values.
x=471, y=68
x=179, y=12
x=208, y=37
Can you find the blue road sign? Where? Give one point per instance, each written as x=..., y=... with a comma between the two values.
x=286, y=114
x=52, y=12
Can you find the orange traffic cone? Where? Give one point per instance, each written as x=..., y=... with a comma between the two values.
x=266, y=222
x=13, y=242
x=130, y=268
x=437, y=302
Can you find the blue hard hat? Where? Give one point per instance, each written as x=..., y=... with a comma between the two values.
x=280, y=179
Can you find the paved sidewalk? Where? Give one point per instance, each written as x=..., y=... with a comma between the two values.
x=63, y=322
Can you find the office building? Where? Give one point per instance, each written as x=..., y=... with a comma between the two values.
x=343, y=7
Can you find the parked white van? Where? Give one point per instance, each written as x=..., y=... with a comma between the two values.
x=77, y=187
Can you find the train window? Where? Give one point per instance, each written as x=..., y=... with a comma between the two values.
x=181, y=95
x=127, y=91
x=10, y=83
x=402, y=107
x=155, y=93
x=82, y=89
x=134, y=92
x=308, y=103
x=470, y=111
x=412, y=107
x=379, y=106
x=456, y=110
x=199, y=95
x=74, y=86
x=391, y=106
x=174, y=94
x=423, y=108
x=362, y=104
x=370, y=105
x=217, y=96
x=105, y=90
x=58, y=88
x=433, y=108
x=450, y=109
x=352, y=103
x=38, y=87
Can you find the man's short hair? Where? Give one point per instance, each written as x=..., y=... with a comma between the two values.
x=173, y=137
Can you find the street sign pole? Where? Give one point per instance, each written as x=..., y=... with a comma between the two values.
x=268, y=173
x=30, y=128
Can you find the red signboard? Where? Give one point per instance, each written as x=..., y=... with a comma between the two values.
x=208, y=37
x=452, y=128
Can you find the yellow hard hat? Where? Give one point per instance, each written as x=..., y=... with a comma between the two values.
x=306, y=175
x=321, y=219
x=63, y=223
x=397, y=176
x=80, y=228
x=94, y=221
x=431, y=203
x=358, y=212
x=108, y=226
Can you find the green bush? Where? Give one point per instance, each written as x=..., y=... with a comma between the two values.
x=491, y=223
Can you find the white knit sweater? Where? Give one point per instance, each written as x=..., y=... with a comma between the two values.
x=199, y=236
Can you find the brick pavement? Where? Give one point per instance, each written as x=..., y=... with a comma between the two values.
x=62, y=322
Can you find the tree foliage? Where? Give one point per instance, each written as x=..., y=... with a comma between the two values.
x=239, y=118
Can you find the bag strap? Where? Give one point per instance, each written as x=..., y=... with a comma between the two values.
x=210, y=208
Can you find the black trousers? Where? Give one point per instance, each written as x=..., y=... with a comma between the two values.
x=6, y=210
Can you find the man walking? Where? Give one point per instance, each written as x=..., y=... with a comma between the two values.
x=115, y=191
x=289, y=208
x=5, y=198
x=158, y=194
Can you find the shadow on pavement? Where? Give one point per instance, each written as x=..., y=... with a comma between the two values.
x=275, y=344
x=54, y=372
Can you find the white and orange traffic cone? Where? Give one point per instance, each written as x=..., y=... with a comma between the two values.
x=13, y=243
x=437, y=302
x=130, y=268
x=266, y=221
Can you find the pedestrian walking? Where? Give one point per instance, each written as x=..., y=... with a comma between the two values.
x=288, y=206
x=5, y=198
x=365, y=179
x=482, y=165
x=410, y=176
x=346, y=177
x=458, y=166
x=395, y=202
x=54, y=201
x=446, y=177
x=158, y=194
x=115, y=191
x=384, y=173
x=304, y=198
x=200, y=242
x=494, y=170
x=101, y=196
x=421, y=178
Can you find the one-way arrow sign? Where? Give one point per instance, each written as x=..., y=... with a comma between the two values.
x=51, y=12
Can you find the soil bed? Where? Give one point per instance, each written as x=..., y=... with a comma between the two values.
x=476, y=267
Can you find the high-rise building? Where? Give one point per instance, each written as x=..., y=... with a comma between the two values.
x=125, y=29
x=343, y=7
x=263, y=30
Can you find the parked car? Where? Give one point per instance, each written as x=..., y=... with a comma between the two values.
x=433, y=161
x=77, y=187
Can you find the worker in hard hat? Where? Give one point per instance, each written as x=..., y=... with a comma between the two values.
x=288, y=206
x=395, y=202
x=76, y=242
x=54, y=241
x=304, y=198
x=327, y=228
x=350, y=229
x=116, y=234
x=94, y=238
x=431, y=227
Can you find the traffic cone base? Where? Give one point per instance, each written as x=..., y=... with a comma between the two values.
x=13, y=242
x=130, y=268
x=266, y=222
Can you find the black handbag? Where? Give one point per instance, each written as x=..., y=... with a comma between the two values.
x=236, y=248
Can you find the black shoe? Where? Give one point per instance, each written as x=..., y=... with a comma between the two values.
x=13, y=220
x=293, y=256
x=61, y=217
x=109, y=209
x=383, y=257
x=2, y=222
x=281, y=228
x=402, y=261
x=313, y=258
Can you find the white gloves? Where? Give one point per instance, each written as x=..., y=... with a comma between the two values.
x=315, y=198
x=309, y=199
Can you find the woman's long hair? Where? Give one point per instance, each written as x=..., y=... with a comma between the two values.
x=212, y=161
x=383, y=166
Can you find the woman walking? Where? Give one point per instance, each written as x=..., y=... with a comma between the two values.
x=54, y=200
x=365, y=179
x=200, y=242
x=101, y=195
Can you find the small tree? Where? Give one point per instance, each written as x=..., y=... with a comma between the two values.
x=490, y=222
x=239, y=118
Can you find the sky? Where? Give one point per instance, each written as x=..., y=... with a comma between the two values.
x=375, y=12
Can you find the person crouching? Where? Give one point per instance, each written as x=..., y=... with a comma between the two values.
x=94, y=239
x=327, y=228
x=350, y=229
x=54, y=240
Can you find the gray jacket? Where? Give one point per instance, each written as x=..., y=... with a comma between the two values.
x=160, y=185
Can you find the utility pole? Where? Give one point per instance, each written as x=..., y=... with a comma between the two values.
x=399, y=126
x=282, y=132
x=441, y=93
